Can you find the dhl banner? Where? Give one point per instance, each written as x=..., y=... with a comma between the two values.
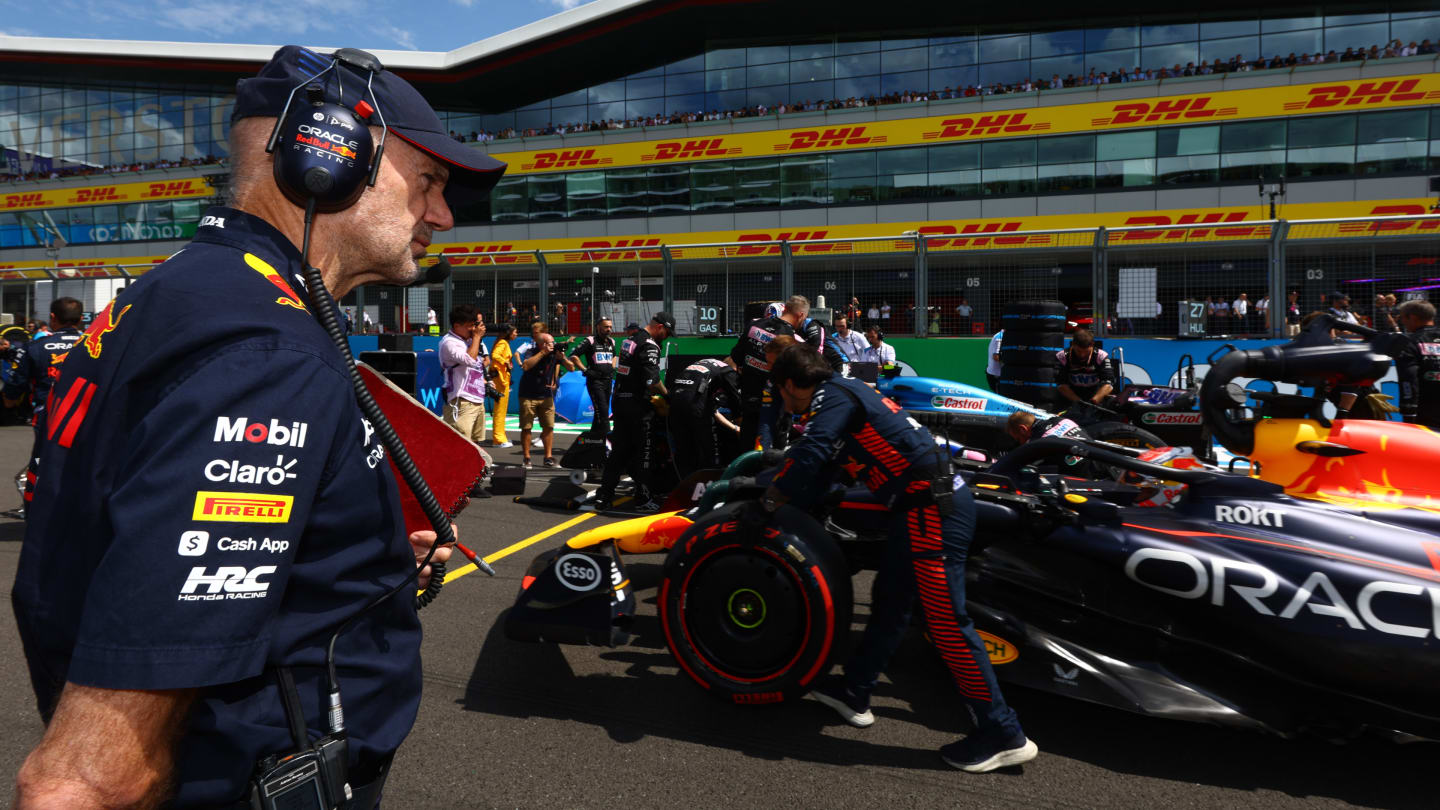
x=979, y=234
x=42, y=269
x=75, y=196
x=1231, y=105
x=1239, y=222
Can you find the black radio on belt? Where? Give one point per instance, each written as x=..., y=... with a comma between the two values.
x=313, y=776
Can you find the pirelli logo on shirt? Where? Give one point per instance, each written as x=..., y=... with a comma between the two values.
x=242, y=507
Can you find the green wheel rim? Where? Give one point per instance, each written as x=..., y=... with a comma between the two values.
x=746, y=608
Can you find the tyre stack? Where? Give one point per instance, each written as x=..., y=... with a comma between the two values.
x=1029, y=370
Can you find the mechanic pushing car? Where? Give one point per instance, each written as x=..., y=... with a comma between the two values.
x=596, y=355
x=213, y=510
x=637, y=378
x=704, y=402
x=748, y=358
x=37, y=366
x=1418, y=367
x=930, y=529
x=1085, y=373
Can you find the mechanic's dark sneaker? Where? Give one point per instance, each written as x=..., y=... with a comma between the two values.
x=549, y=461
x=979, y=753
x=647, y=508
x=852, y=708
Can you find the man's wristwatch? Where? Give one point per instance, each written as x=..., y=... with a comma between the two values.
x=770, y=503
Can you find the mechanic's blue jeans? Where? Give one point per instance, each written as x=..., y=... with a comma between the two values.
x=926, y=555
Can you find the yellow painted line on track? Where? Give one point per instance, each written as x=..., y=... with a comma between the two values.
x=514, y=547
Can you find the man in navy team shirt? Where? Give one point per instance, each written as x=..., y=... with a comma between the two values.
x=212, y=505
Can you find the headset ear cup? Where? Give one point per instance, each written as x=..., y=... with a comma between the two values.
x=323, y=153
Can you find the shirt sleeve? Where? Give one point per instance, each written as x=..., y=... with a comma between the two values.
x=1103, y=369
x=208, y=505
x=649, y=357
x=21, y=380
x=825, y=427
x=455, y=353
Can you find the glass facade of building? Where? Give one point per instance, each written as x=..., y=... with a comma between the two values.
x=78, y=127
x=1378, y=143
x=733, y=78
x=132, y=222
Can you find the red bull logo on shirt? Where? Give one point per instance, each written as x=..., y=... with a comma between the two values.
x=104, y=324
x=289, y=299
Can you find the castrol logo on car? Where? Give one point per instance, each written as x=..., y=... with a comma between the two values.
x=1172, y=418
x=949, y=403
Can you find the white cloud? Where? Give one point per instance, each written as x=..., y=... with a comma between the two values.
x=566, y=5
x=405, y=39
x=18, y=32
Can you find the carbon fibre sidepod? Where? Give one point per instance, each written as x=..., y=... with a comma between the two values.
x=574, y=597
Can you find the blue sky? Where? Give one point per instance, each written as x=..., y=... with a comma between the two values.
x=427, y=25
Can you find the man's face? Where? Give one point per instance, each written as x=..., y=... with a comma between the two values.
x=545, y=344
x=657, y=331
x=390, y=227
x=873, y=337
x=605, y=328
x=1410, y=322
x=797, y=400
x=466, y=329
x=1082, y=353
x=842, y=327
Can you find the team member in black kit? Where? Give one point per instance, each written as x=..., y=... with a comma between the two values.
x=637, y=373
x=1418, y=366
x=931, y=526
x=748, y=358
x=596, y=355
x=704, y=399
x=37, y=367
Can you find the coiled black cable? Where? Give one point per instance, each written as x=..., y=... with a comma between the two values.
x=328, y=313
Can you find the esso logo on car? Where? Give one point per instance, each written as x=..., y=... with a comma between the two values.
x=1172, y=419
x=578, y=572
x=957, y=403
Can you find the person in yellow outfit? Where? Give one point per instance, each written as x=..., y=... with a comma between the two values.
x=500, y=360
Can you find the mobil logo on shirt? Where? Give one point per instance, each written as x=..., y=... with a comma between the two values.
x=243, y=429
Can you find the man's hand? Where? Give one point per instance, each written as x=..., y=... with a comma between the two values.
x=420, y=543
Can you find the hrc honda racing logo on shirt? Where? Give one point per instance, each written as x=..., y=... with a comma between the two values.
x=242, y=507
x=228, y=582
x=235, y=429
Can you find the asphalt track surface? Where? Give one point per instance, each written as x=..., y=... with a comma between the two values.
x=504, y=724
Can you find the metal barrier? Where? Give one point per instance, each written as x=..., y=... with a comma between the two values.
x=1200, y=279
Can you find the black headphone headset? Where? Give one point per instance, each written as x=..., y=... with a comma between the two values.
x=324, y=152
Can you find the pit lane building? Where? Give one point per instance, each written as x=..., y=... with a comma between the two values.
x=848, y=151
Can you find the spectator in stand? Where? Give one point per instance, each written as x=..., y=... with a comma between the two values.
x=872, y=315
x=1240, y=310
x=1292, y=314
x=1222, y=311
x=1384, y=317
x=1262, y=310
x=964, y=311
x=885, y=313
x=1340, y=307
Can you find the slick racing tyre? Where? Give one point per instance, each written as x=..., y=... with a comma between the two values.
x=1029, y=374
x=1025, y=348
x=1041, y=395
x=1034, y=316
x=1124, y=435
x=754, y=619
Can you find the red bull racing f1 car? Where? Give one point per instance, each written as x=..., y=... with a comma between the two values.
x=1302, y=598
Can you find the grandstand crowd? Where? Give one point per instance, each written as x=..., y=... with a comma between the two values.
x=1236, y=64
x=9, y=175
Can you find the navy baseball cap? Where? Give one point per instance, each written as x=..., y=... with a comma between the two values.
x=665, y=319
x=407, y=114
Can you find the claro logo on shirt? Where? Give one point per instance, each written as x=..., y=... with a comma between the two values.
x=242, y=507
x=228, y=582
